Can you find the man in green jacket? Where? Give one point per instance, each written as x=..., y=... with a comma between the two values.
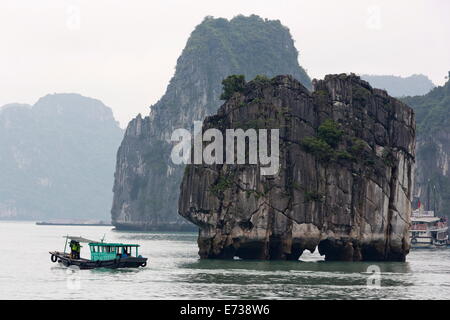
x=75, y=249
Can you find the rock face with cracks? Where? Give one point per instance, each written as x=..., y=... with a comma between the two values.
x=345, y=180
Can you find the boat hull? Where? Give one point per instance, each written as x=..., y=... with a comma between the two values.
x=428, y=246
x=128, y=262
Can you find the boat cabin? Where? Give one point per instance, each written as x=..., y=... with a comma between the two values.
x=110, y=251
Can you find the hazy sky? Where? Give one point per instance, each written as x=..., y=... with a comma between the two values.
x=124, y=52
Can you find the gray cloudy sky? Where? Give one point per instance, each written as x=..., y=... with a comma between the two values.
x=124, y=52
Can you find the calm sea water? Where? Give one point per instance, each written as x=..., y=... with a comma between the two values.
x=175, y=272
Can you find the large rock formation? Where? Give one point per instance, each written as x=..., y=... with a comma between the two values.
x=345, y=178
x=146, y=187
x=432, y=182
x=57, y=158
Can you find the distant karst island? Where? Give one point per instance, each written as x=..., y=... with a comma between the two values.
x=57, y=158
x=396, y=86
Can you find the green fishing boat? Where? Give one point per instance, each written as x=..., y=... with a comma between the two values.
x=103, y=255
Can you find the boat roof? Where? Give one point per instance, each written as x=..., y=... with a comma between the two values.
x=104, y=244
x=79, y=239
x=425, y=219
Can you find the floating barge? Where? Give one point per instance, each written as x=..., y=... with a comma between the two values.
x=71, y=222
x=103, y=255
x=428, y=231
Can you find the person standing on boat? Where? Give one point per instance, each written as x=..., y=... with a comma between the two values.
x=78, y=250
x=75, y=249
x=72, y=249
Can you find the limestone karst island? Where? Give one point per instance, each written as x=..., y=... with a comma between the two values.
x=232, y=158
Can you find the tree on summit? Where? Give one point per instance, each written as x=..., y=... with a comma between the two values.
x=232, y=84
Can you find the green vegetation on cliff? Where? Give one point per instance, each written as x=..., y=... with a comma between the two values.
x=432, y=110
x=251, y=45
x=324, y=146
x=232, y=84
x=330, y=133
